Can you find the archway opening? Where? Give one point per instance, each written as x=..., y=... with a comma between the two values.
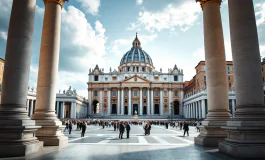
x=176, y=107
x=95, y=102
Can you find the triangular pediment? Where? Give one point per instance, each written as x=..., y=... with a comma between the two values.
x=136, y=79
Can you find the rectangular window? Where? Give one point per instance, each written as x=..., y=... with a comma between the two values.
x=96, y=78
x=95, y=93
x=165, y=93
x=176, y=93
x=229, y=78
x=156, y=94
x=143, y=69
x=144, y=93
x=135, y=93
x=114, y=94
x=175, y=78
x=126, y=93
x=205, y=78
x=228, y=68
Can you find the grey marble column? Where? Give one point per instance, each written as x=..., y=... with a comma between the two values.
x=152, y=101
x=203, y=108
x=90, y=104
x=122, y=101
x=169, y=99
x=51, y=131
x=109, y=101
x=57, y=109
x=216, y=75
x=130, y=102
x=101, y=101
x=161, y=102
x=73, y=110
x=148, y=101
x=119, y=106
x=248, y=126
x=141, y=101
x=14, y=120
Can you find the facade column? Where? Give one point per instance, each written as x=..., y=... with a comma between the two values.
x=152, y=101
x=141, y=101
x=109, y=101
x=248, y=126
x=73, y=110
x=13, y=109
x=148, y=101
x=130, y=102
x=62, y=109
x=122, y=101
x=233, y=107
x=101, y=101
x=119, y=99
x=200, y=109
x=189, y=110
x=218, y=112
x=51, y=131
x=31, y=108
x=181, y=102
x=203, y=109
x=169, y=99
x=161, y=101
x=57, y=108
x=90, y=104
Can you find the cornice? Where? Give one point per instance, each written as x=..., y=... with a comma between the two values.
x=60, y=2
x=204, y=2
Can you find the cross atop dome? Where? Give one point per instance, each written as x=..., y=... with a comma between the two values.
x=136, y=42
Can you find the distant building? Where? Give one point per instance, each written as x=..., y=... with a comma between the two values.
x=135, y=87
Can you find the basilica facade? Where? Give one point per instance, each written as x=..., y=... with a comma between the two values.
x=135, y=87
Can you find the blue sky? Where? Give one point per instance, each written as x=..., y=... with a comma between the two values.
x=101, y=31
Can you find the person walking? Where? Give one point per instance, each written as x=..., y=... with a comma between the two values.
x=66, y=126
x=70, y=127
x=114, y=125
x=147, y=128
x=121, y=130
x=83, y=126
x=197, y=126
x=180, y=125
x=128, y=128
x=186, y=128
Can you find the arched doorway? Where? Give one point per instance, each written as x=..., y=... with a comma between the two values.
x=114, y=109
x=176, y=107
x=156, y=108
x=95, y=102
x=135, y=109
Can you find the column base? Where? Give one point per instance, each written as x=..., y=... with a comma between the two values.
x=211, y=133
x=17, y=138
x=245, y=139
x=51, y=133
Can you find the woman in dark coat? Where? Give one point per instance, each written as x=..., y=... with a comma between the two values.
x=186, y=128
x=121, y=130
x=70, y=127
x=147, y=128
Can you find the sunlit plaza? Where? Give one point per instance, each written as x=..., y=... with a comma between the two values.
x=134, y=79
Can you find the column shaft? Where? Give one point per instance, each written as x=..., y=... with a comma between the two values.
x=141, y=101
x=73, y=110
x=148, y=101
x=130, y=102
x=152, y=101
x=161, y=102
x=17, y=130
x=101, y=101
x=122, y=101
x=169, y=99
x=109, y=101
x=119, y=107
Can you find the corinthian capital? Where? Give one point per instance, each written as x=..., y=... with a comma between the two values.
x=204, y=2
x=60, y=2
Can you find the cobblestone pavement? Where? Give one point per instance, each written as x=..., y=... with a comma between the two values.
x=104, y=144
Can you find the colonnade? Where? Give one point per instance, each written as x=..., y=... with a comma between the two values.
x=145, y=100
x=31, y=106
x=195, y=110
x=243, y=136
x=19, y=133
x=75, y=109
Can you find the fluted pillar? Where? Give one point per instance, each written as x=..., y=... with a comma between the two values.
x=90, y=104
x=141, y=101
x=14, y=120
x=31, y=108
x=57, y=108
x=109, y=101
x=169, y=99
x=119, y=107
x=148, y=101
x=130, y=102
x=203, y=108
x=152, y=101
x=246, y=133
x=161, y=101
x=122, y=101
x=52, y=130
x=101, y=101
x=218, y=112
x=73, y=110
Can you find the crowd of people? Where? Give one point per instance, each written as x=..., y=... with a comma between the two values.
x=123, y=126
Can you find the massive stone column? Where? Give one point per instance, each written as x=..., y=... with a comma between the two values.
x=122, y=101
x=57, y=108
x=90, y=104
x=169, y=99
x=118, y=113
x=203, y=109
x=141, y=101
x=233, y=107
x=17, y=131
x=246, y=133
x=152, y=101
x=73, y=110
x=148, y=101
x=161, y=101
x=52, y=130
x=130, y=102
x=109, y=101
x=218, y=112
x=101, y=101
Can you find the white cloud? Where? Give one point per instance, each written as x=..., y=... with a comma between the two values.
x=260, y=13
x=262, y=50
x=199, y=54
x=90, y=6
x=170, y=17
x=139, y=2
x=3, y=35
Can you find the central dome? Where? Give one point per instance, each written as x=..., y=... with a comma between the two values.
x=136, y=54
